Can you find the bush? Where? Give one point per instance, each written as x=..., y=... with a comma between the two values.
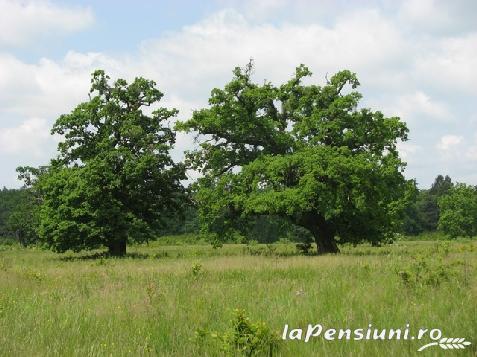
x=304, y=248
x=427, y=271
x=458, y=209
x=245, y=337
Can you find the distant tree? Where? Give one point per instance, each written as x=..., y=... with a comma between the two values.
x=7, y=202
x=411, y=219
x=427, y=203
x=427, y=210
x=17, y=215
x=22, y=220
x=186, y=223
x=422, y=212
x=458, y=211
x=269, y=229
x=305, y=153
x=113, y=180
x=441, y=185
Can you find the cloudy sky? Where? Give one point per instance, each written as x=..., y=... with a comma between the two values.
x=416, y=59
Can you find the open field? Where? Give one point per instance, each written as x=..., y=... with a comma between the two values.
x=154, y=301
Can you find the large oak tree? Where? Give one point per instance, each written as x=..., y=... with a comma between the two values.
x=301, y=151
x=113, y=180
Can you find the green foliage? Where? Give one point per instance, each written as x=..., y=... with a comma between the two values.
x=304, y=248
x=185, y=223
x=271, y=228
x=113, y=180
x=441, y=186
x=422, y=212
x=459, y=211
x=196, y=270
x=182, y=239
x=244, y=338
x=425, y=272
x=267, y=250
x=23, y=219
x=429, y=268
x=18, y=215
x=304, y=153
x=8, y=200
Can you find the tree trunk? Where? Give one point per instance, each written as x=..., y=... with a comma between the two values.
x=323, y=233
x=325, y=241
x=117, y=248
x=20, y=238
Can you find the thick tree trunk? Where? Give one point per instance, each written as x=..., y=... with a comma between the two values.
x=323, y=233
x=117, y=248
x=325, y=241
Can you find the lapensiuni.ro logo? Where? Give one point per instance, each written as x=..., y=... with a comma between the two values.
x=371, y=333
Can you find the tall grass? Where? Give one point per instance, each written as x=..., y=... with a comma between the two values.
x=155, y=301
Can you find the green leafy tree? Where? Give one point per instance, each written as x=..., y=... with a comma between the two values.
x=22, y=221
x=441, y=185
x=411, y=219
x=305, y=153
x=113, y=180
x=427, y=204
x=458, y=211
x=422, y=212
x=18, y=215
x=8, y=200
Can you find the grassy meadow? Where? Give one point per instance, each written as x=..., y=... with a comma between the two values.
x=172, y=298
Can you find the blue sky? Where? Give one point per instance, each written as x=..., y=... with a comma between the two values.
x=414, y=58
x=118, y=26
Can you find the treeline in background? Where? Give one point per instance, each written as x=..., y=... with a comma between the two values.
x=421, y=218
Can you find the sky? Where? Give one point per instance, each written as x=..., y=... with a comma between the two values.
x=416, y=59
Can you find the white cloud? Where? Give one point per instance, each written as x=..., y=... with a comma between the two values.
x=448, y=64
x=449, y=142
x=404, y=74
x=471, y=150
x=23, y=21
x=47, y=88
x=203, y=55
x=425, y=13
x=439, y=16
x=408, y=150
x=419, y=105
x=31, y=137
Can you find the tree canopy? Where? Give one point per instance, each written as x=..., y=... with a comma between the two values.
x=422, y=213
x=458, y=211
x=18, y=215
x=306, y=153
x=113, y=179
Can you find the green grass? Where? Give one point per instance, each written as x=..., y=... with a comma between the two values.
x=153, y=301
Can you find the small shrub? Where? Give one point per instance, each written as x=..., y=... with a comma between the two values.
x=426, y=271
x=271, y=250
x=216, y=243
x=253, y=248
x=244, y=338
x=443, y=248
x=196, y=270
x=304, y=248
